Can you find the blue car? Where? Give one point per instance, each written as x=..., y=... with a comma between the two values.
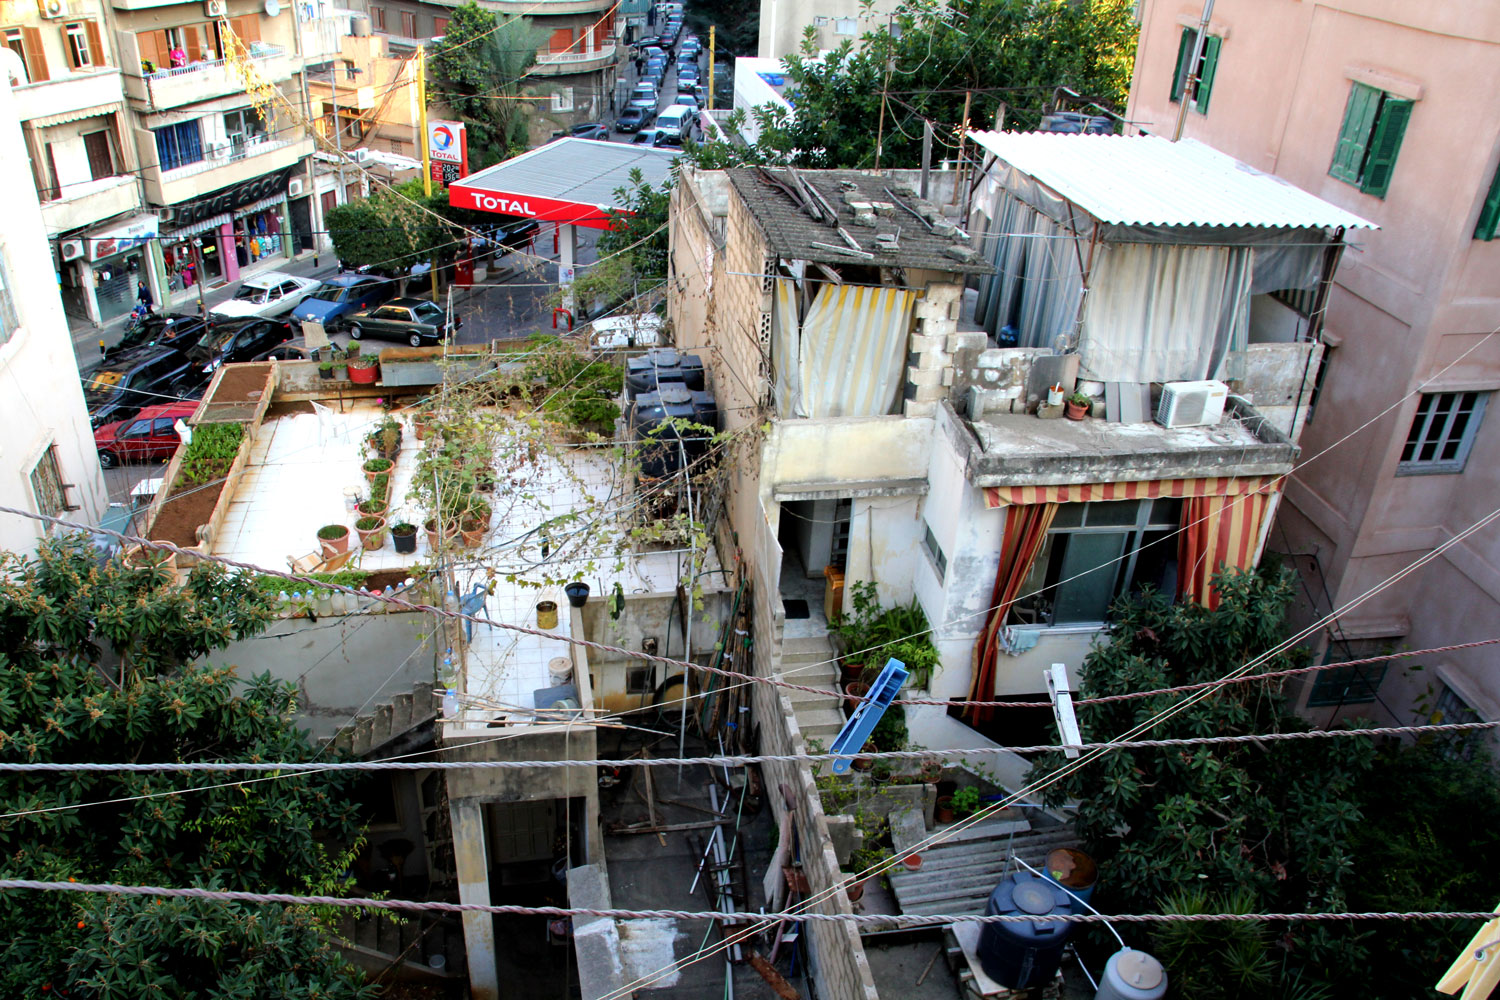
x=342, y=296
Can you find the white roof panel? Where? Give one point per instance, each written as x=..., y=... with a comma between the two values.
x=1145, y=180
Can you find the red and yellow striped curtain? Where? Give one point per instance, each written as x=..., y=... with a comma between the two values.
x=1217, y=532
x=1025, y=530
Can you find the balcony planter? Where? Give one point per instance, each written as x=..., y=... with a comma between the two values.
x=333, y=539
x=404, y=537
x=364, y=370
x=472, y=530
x=1077, y=406
x=377, y=466
x=371, y=532
x=325, y=370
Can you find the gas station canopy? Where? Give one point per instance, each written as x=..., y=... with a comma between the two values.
x=568, y=181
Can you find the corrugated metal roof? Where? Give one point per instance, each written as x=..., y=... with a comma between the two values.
x=585, y=171
x=1145, y=180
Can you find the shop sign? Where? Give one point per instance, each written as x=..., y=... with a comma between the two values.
x=110, y=240
x=447, y=142
x=230, y=198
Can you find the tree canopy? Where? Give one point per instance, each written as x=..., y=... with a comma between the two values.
x=633, y=251
x=1321, y=825
x=477, y=68
x=96, y=667
x=390, y=230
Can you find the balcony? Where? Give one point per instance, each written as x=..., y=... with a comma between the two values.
x=549, y=8
x=224, y=168
x=202, y=81
x=84, y=204
x=562, y=63
x=68, y=94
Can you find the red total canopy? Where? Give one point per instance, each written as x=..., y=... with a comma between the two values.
x=568, y=181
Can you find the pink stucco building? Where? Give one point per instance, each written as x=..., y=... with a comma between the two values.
x=1391, y=110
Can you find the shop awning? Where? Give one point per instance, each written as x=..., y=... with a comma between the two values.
x=47, y=121
x=1217, y=486
x=201, y=226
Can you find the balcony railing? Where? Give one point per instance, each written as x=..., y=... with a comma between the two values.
x=548, y=58
x=258, y=50
x=228, y=153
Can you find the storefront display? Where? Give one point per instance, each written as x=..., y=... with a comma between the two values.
x=119, y=256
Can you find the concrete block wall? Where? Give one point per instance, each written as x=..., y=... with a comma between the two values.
x=930, y=374
x=997, y=380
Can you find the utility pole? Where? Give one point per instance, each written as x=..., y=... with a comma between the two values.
x=1190, y=77
x=712, y=40
x=426, y=149
x=880, y=129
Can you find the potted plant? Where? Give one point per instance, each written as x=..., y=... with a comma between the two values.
x=1077, y=406
x=363, y=370
x=333, y=539
x=371, y=530
x=865, y=763
x=475, y=522
x=931, y=769
x=373, y=507
x=340, y=366
x=966, y=801
x=434, y=539
x=881, y=772
x=376, y=466
x=390, y=437
x=325, y=370
x=854, y=693
x=942, y=811
x=380, y=487
x=404, y=537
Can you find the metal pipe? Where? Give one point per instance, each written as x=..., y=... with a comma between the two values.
x=1190, y=81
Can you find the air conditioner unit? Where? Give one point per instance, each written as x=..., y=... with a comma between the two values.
x=71, y=249
x=218, y=150
x=294, y=189
x=216, y=8
x=54, y=8
x=1191, y=404
x=359, y=155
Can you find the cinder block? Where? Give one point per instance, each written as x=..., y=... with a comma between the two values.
x=924, y=376
x=921, y=343
x=967, y=340
x=1050, y=412
x=917, y=408
x=930, y=393
x=947, y=374
x=934, y=360
x=938, y=327
x=943, y=292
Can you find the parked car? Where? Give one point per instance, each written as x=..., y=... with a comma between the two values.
x=687, y=71
x=232, y=340
x=415, y=321
x=347, y=293
x=655, y=72
x=151, y=436
x=158, y=328
x=295, y=349
x=588, y=130
x=633, y=118
x=686, y=99
x=657, y=139
x=121, y=387
x=268, y=294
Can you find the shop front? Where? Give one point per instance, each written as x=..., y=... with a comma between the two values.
x=116, y=257
x=217, y=236
x=260, y=232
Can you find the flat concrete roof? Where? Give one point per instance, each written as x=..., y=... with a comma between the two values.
x=568, y=181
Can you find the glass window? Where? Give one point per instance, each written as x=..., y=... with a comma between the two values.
x=392, y=312
x=8, y=319
x=177, y=145
x=16, y=42
x=408, y=24
x=1096, y=553
x=163, y=425
x=430, y=313
x=78, y=45
x=1355, y=685
x=1442, y=432
x=138, y=429
x=935, y=551
x=47, y=485
x=1208, y=63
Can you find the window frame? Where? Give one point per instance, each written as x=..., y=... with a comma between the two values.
x=10, y=320
x=1207, y=68
x=1356, y=684
x=377, y=18
x=45, y=465
x=1370, y=137
x=1424, y=416
x=1489, y=211
x=934, y=551
x=408, y=24
x=76, y=45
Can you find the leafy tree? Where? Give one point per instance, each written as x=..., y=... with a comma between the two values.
x=477, y=70
x=96, y=667
x=389, y=230
x=633, y=251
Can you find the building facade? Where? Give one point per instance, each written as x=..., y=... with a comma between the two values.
x=50, y=464
x=1385, y=112
x=783, y=23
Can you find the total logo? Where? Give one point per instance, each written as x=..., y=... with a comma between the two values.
x=442, y=137
x=494, y=203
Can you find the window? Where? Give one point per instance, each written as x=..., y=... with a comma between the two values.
x=8, y=320
x=100, y=150
x=1489, y=213
x=408, y=24
x=177, y=145
x=377, y=18
x=76, y=42
x=561, y=41
x=1356, y=685
x=47, y=485
x=27, y=43
x=1097, y=552
x=930, y=543
x=439, y=27
x=243, y=127
x=1450, y=709
x=1442, y=432
x=845, y=26
x=1374, y=123
x=638, y=680
x=1208, y=64
x=562, y=99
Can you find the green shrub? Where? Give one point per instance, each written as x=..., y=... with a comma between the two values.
x=209, y=455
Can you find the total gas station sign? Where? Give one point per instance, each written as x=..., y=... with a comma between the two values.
x=531, y=207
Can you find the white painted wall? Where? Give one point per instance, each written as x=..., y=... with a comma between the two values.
x=41, y=398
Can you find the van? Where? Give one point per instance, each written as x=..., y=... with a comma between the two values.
x=678, y=120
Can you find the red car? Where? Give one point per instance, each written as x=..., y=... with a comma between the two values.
x=148, y=437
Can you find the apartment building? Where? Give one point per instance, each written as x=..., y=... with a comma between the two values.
x=1386, y=112
x=226, y=173
x=49, y=462
x=783, y=23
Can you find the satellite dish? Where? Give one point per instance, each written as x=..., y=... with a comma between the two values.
x=272, y=7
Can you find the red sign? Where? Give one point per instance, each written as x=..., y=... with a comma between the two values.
x=530, y=206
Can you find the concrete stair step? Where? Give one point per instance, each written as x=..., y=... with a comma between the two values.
x=806, y=644
x=801, y=698
x=823, y=734
x=808, y=718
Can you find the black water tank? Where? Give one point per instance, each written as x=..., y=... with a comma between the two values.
x=646, y=372
x=660, y=453
x=1072, y=122
x=705, y=409
x=1021, y=955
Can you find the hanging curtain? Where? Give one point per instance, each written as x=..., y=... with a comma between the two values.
x=786, y=354
x=1037, y=281
x=1025, y=531
x=1165, y=313
x=849, y=354
x=1218, y=532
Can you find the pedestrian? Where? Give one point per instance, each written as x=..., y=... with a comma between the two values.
x=143, y=294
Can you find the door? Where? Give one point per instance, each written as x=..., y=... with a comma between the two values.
x=100, y=154
x=302, y=223
x=163, y=440
x=521, y=831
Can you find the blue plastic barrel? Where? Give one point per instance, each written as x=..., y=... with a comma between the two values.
x=1023, y=954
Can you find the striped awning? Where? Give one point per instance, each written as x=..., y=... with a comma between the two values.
x=1150, y=489
x=201, y=226
x=47, y=121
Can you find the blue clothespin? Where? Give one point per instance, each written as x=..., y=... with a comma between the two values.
x=851, y=739
x=472, y=604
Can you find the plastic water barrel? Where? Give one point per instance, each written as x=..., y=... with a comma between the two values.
x=1075, y=871
x=705, y=408
x=1132, y=975
x=651, y=371
x=660, y=453
x=1021, y=955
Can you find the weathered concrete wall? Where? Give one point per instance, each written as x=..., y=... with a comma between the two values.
x=844, y=452
x=655, y=616
x=1279, y=380
x=342, y=665
x=885, y=542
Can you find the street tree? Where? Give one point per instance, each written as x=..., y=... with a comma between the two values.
x=633, y=251
x=99, y=665
x=393, y=229
x=477, y=69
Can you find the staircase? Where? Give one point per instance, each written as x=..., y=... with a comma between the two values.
x=819, y=716
x=389, y=722
x=424, y=948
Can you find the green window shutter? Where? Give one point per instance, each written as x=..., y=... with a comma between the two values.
x=1394, y=114
x=1489, y=215
x=1184, y=52
x=1359, y=120
x=1206, y=75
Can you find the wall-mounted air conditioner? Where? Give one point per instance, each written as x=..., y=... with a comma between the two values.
x=53, y=8
x=359, y=155
x=218, y=150
x=1191, y=404
x=71, y=249
x=216, y=8
x=294, y=189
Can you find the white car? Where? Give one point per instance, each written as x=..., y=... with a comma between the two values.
x=269, y=294
x=617, y=333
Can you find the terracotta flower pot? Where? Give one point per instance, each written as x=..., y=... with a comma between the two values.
x=854, y=693
x=333, y=539
x=373, y=507
x=372, y=537
x=855, y=890
x=1075, y=411
x=943, y=811
x=370, y=474
x=912, y=862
